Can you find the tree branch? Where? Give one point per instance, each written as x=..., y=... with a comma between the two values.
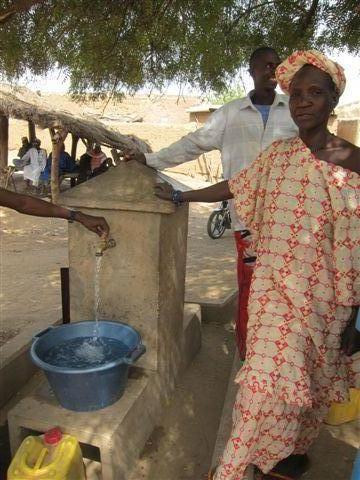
x=250, y=8
x=17, y=7
x=306, y=22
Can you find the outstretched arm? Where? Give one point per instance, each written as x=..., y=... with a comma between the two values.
x=34, y=206
x=215, y=193
x=189, y=147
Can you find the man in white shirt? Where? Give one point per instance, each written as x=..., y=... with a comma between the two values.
x=241, y=130
x=35, y=162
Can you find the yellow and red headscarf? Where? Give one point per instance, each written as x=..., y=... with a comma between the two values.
x=288, y=68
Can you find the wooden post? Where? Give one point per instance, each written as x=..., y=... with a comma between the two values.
x=31, y=130
x=65, y=294
x=4, y=140
x=57, y=139
x=74, y=143
x=116, y=156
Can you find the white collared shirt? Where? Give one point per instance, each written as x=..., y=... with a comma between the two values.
x=238, y=131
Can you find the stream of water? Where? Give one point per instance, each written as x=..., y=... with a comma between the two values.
x=91, y=351
x=98, y=261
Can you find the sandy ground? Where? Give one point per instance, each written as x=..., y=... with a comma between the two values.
x=180, y=448
x=32, y=250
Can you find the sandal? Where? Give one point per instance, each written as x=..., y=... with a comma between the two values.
x=211, y=472
x=301, y=462
x=270, y=476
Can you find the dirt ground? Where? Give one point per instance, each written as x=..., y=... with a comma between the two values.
x=31, y=282
x=181, y=445
x=31, y=254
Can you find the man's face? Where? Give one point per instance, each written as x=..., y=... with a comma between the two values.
x=262, y=70
x=24, y=141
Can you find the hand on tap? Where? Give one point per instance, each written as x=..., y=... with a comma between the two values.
x=104, y=244
x=97, y=225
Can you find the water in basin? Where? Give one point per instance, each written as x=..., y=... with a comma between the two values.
x=85, y=352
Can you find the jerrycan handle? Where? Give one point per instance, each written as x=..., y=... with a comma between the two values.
x=40, y=459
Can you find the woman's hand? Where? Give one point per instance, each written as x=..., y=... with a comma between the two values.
x=134, y=155
x=350, y=339
x=164, y=191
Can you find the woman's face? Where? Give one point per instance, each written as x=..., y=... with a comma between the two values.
x=312, y=98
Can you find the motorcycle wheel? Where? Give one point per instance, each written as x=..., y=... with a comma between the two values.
x=216, y=225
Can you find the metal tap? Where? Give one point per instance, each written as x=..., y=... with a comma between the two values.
x=103, y=245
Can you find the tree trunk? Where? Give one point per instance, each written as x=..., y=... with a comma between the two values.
x=4, y=140
x=32, y=131
x=55, y=188
x=116, y=156
x=57, y=139
x=74, y=143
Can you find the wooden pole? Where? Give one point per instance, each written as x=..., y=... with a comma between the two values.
x=65, y=294
x=4, y=140
x=57, y=140
x=32, y=131
x=74, y=143
x=116, y=156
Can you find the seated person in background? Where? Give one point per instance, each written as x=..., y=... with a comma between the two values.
x=84, y=167
x=35, y=162
x=92, y=163
x=98, y=162
x=25, y=147
x=66, y=164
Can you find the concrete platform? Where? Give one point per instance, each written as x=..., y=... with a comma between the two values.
x=107, y=430
x=118, y=433
x=211, y=268
x=15, y=365
x=210, y=282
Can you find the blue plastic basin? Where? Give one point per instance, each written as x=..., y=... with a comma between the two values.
x=92, y=388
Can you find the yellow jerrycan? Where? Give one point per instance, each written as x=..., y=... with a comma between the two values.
x=52, y=456
x=345, y=412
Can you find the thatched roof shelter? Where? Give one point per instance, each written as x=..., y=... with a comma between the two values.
x=23, y=104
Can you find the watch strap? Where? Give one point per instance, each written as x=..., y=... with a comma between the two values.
x=177, y=197
x=72, y=215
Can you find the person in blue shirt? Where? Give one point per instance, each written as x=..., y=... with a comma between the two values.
x=66, y=164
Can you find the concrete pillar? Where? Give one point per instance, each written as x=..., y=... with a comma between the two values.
x=349, y=130
x=142, y=279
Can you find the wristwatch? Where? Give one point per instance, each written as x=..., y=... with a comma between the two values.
x=177, y=197
x=72, y=215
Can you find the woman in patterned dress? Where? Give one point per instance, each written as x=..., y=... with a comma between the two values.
x=301, y=201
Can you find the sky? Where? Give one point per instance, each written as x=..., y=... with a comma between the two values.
x=56, y=82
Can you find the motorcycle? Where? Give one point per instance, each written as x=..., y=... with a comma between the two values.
x=219, y=221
